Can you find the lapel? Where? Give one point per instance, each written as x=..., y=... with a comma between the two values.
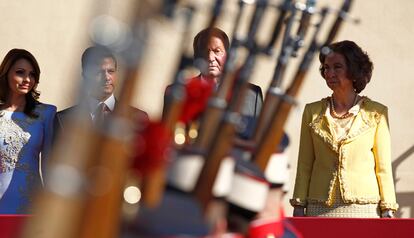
x=86, y=114
x=363, y=122
x=115, y=105
x=320, y=126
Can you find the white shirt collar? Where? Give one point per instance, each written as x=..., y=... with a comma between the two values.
x=93, y=103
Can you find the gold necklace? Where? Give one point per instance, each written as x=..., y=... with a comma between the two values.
x=347, y=114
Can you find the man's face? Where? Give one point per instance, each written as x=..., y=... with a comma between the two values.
x=106, y=77
x=216, y=56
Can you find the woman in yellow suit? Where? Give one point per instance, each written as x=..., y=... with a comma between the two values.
x=344, y=165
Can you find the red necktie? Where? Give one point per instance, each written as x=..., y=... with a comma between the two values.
x=101, y=112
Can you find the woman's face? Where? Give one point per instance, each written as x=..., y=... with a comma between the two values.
x=336, y=72
x=21, y=77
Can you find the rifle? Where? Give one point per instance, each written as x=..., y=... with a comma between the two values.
x=304, y=25
x=217, y=8
x=218, y=102
x=346, y=6
x=67, y=207
x=153, y=183
x=283, y=10
x=222, y=139
x=176, y=98
x=274, y=134
x=114, y=155
x=289, y=46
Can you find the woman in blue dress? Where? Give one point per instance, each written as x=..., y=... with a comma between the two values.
x=26, y=128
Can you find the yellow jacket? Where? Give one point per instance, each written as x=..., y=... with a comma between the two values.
x=361, y=162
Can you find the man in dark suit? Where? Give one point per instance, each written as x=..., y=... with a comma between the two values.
x=99, y=69
x=211, y=46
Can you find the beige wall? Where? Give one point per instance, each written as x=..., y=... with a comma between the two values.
x=57, y=31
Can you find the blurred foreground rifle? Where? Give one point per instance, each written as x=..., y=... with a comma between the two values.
x=274, y=134
x=305, y=21
x=342, y=15
x=175, y=99
x=153, y=183
x=70, y=205
x=274, y=91
x=283, y=11
x=114, y=150
x=176, y=96
x=223, y=136
x=218, y=101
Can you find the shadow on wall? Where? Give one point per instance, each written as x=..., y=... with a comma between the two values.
x=404, y=199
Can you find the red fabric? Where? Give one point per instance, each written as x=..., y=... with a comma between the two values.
x=263, y=228
x=353, y=227
x=151, y=146
x=11, y=225
x=198, y=91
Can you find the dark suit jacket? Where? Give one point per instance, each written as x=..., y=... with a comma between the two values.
x=250, y=111
x=251, y=107
x=64, y=117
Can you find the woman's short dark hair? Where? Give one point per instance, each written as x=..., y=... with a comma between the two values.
x=200, y=41
x=9, y=60
x=358, y=63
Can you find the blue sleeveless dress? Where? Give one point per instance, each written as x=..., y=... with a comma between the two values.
x=24, y=144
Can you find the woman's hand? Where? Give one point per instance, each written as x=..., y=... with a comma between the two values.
x=387, y=213
x=299, y=211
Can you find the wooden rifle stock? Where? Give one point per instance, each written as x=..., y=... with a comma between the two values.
x=70, y=202
x=117, y=144
x=284, y=9
x=346, y=6
x=305, y=19
x=304, y=24
x=175, y=102
x=218, y=101
x=217, y=8
x=175, y=98
x=153, y=184
x=223, y=137
x=91, y=169
x=103, y=210
x=59, y=208
x=220, y=146
x=273, y=136
x=272, y=95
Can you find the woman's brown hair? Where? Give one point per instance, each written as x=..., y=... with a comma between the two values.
x=9, y=60
x=358, y=62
